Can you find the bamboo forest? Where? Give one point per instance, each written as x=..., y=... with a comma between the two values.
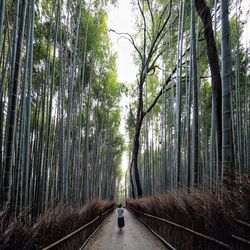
x=142, y=103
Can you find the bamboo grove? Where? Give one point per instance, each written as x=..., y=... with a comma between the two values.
x=59, y=105
x=189, y=119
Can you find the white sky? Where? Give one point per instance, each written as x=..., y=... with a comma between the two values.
x=246, y=18
x=121, y=19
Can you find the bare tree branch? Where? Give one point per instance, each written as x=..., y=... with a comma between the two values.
x=144, y=31
x=159, y=34
x=163, y=34
x=151, y=13
x=130, y=39
x=168, y=80
x=162, y=14
x=160, y=93
x=152, y=66
x=132, y=117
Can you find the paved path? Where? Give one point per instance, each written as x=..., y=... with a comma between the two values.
x=134, y=236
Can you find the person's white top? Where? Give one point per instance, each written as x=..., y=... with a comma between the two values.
x=120, y=212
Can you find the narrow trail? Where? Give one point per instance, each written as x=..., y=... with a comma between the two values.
x=134, y=236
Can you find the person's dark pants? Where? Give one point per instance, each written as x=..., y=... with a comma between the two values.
x=121, y=222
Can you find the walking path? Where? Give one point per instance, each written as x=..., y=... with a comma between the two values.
x=134, y=236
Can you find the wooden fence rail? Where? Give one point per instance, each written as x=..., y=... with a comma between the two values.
x=79, y=238
x=177, y=236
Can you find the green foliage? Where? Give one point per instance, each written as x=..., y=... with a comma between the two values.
x=73, y=106
x=236, y=32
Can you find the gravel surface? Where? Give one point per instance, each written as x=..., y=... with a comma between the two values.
x=134, y=236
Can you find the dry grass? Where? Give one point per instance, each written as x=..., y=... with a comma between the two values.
x=197, y=210
x=201, y=210
x=54, y=225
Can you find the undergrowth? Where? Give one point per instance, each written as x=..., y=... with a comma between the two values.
x=56, y=223
x=199, y=210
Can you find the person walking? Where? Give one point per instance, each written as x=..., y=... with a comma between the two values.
x=120, y=212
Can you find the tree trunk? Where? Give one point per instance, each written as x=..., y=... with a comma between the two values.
x=2, y=11
x=227, y=137
x=13, y=107
x=134, y=163
x=213, y=59
x=195, y=129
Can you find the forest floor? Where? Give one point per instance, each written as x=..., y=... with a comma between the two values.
x=133, y=236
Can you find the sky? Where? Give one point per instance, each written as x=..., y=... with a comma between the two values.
x=246, y=18
x=121, y=19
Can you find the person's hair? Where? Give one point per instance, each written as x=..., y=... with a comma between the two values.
x=120, y=205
